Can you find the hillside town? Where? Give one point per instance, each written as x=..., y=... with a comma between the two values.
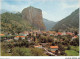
x=40, y=29
x=53, y=43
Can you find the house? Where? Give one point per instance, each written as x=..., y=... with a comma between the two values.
x=44, y=44
x=56, y=34
x=20, y=34
x=34, y=34
x=25, y=33
x=9, y=40
x=2, y=34
x=59, y=33
x=74, y=37
x=23, y=37
x=16, y=38
x=50, y=32
x=53, y=48
x=63, y=33
x=69, y=33
x=55, y=39
x=38, y=46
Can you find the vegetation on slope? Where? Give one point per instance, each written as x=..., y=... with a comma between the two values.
x=70, y=23
x=13, y=23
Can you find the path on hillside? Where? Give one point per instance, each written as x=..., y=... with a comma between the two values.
x=49, y=52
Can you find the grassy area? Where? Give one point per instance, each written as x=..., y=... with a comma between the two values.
x=23, y=51
x=8, y=36
x=76, y=48
x=71, y=53
x=5, y=54
x=65, y=47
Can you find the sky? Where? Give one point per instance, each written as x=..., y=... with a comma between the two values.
x=54, y=10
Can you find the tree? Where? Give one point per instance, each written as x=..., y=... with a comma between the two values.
x=37, y=52
x=43, y=39
x=61, y=48
x=62, y=53
x=75, y=42
x=17, y=51
x=68, y=48
x=76, y=33
x=50, y=39
x=53, y=43
x=56, y=52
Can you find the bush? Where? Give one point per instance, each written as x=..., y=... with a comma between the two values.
x=53, y=44
x=37, y=52
x=68, y=48
x=75, y=42
x=71, y=53
x=17, y=51
x=43, y=39
x=50, y=39
x=62, y=52
x=61, y=47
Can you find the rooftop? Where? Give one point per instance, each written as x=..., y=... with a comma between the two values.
x=1, y=34
x=53, y=46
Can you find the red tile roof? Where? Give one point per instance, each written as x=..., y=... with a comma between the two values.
x=52, y=51
x=37, y=46
x=1, y=34
x=53, y=46
x=59, y=33
x=17, y=36
x=20, y=36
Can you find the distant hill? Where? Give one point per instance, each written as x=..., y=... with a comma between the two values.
x=70, y=23
x=2, y=11
x=13, y=23
x=49, y=24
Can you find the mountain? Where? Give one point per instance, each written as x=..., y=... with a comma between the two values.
x=2, y=11
x=34, y=17
x=49, y=24
x=70, y=23
x=13, y=23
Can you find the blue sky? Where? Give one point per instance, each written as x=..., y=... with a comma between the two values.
x=53, y=10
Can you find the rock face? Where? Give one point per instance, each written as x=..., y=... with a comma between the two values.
x=34, y=16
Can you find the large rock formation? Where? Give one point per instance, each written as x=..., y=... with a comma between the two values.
x=34, y=16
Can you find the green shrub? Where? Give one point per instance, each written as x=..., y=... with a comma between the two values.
x=71, y=53
x=17, y=51
x=37, y=52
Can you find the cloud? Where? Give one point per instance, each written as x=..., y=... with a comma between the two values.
x=15, y=7
x=65, y=4
x=29, y=0
x=44, y=13
x=48, y=16
x=9, y=7
x=20, y=4
x=62, y=7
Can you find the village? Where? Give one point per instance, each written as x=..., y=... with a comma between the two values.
x=52, y=42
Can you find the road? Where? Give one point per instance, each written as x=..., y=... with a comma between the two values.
x=49, y=52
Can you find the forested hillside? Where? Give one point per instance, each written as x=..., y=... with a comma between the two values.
x=70, y=23
x=13, y=23
x=49, y=24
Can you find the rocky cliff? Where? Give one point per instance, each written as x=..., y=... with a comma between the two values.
x=34, y=17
